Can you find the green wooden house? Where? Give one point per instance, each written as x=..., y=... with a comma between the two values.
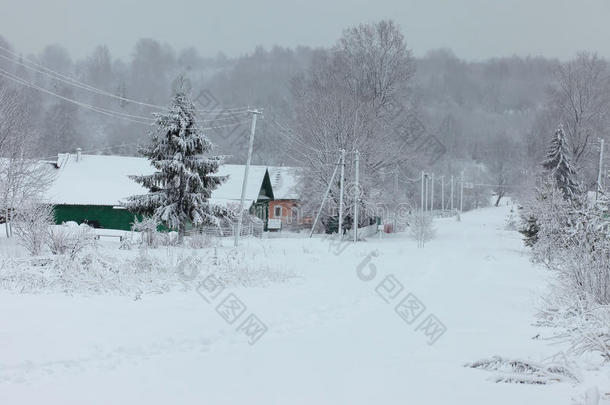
x=91, y=189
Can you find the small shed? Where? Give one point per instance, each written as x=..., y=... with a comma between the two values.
x=91, y=188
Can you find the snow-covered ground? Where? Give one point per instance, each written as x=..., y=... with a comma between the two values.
x=331, y=336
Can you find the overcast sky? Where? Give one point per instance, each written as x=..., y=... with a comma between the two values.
x=474, y=29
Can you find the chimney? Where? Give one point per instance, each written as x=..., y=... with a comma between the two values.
x=78, y=154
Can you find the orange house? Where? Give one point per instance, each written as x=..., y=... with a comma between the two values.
x=284, y=209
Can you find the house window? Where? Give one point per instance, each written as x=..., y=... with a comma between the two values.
x=277, y=211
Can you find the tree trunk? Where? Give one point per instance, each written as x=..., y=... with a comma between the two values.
x=181, y=232
x=6, y=226
x=500, y=195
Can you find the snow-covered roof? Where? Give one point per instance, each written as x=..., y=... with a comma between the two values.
x=104, y=180
x=231, y=189
x=284, y=181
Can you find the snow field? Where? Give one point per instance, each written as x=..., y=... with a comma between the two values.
x=331, y=338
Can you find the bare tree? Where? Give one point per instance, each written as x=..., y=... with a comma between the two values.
x=32, y=223
x=580, y=101
x=377, y=62
x=23, y=178
x=503, y=159
x=355, y=97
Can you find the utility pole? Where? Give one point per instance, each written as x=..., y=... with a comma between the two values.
x=442, y=193
x=427, y=191
x=396, y=180
x=341, y=193
x=432, y=192
x=601, y=168
x=255, y=114
x=423, y=177
x=330, y=183
x=462, y=191
x=356, y=193
x=451, y=193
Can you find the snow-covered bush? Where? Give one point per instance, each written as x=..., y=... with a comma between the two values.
x=552, y=216
x=150, y=236
x=237, y=268
x=138, y=272
x=70, y=238
x=126, y=244
x=586, y=255
x=148, y=228
x=511, y=221
x=89, y=272
x=570, y=235
x=31, y=225
x=591, y=332
x=421, y=228
x=573, y=240
x=584, y=324
x=170, y=238
x=525, y=372
x=202, y=241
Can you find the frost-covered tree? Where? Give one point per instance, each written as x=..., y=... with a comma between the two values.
x=356, y=96
x=31, y=224
x=559, y=183
x=580, y=98
x=421, y=228
x=548, y=218
x=185, y=176
x=22, y=178
x=559, y=165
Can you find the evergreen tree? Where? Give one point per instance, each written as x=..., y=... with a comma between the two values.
x=559, y=166
x=562, y=178
x=184, y=180
x=529, y=230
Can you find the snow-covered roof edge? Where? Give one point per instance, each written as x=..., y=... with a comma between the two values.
x=284, y=180
x=104, y=180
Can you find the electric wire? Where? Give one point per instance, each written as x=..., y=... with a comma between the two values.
x=17, y=59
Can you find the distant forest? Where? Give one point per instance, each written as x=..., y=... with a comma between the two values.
x=478, y=110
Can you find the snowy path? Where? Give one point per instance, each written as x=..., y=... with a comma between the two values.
x=331, y=338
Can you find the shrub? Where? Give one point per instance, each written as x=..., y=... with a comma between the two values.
x=148, y=228
x=511, y=221
x=421, y=228
x=201, y=241
x=70, y=238
x=529, y=229
x=31, y=224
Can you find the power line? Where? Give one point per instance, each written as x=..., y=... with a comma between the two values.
x=73, y=82
x=137, y=143
x=84, y=86
x=233, y=117
x=111, y=113
x=115, y=114
x=288, y=134
x=227, y=126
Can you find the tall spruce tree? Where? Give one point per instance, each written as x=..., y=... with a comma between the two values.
x=185, y=176
x=559, y=166
x=562, y=175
